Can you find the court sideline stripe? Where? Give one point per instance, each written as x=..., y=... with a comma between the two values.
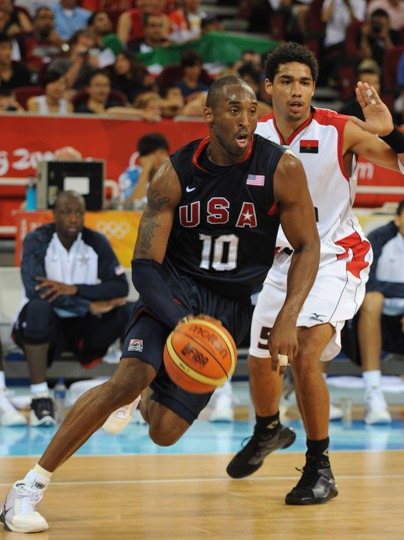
x=218, y=479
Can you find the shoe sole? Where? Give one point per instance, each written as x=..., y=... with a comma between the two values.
x=116, y=425
x=259, y=465
x=9, y=527
x=306, y=502
x=113, y=425
x=378, y=422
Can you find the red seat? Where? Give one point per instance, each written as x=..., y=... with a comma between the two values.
x=352, y=40
x=316, y=24
x=347, y=81
x=316, y=28
x=276, y=25
x=22, y=93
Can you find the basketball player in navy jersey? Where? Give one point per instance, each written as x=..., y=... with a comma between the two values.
x=328, y=145
x=206, y=240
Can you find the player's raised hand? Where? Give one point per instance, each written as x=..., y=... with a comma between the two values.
x=378, y=119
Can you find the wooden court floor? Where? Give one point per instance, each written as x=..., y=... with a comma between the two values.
x=190, y=497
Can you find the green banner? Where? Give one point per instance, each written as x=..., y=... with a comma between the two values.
x=222, y=47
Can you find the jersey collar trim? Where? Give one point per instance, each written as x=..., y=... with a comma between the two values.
x=296, y=132
x=204, y=143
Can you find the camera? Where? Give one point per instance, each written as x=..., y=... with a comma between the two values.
x=377, y=27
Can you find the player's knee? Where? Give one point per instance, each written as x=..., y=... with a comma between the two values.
x=305, y=364
x=38, y=322
x=163, y=436
x=372, y=305
x=166, y=429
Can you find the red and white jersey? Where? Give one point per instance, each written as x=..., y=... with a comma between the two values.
x=318, y=143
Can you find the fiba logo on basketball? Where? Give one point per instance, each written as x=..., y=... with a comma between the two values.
x=196, y=356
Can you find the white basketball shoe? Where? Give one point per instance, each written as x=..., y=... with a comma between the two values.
x=9, y=415
x=120, y=418
x=336, y=413
x=376, y=409
x=19, y=509
x=223, y=404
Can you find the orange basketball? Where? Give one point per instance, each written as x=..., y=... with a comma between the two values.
x=200, y=355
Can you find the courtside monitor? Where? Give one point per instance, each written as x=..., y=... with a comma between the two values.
x=84, y=177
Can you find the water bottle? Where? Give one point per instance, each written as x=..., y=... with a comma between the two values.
x=60, y=400
x=30, y=195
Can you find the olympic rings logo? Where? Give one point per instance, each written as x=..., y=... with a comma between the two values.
x=113, y=229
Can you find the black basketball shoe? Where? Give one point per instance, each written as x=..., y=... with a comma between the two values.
x=316, y=486
x=262, y=443
x=42, y=412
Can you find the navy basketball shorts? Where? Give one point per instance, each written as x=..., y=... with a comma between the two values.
x=146, y=337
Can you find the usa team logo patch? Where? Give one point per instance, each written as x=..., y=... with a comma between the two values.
x=308, y=147
x=135, y=345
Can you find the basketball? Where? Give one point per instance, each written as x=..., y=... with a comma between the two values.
x=200, y=355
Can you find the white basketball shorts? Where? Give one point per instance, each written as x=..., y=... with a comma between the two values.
x=334, y=298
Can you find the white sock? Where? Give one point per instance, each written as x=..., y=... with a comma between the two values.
x=41, y=389
x=372, y=379
x=38, y=474
x=2, y=380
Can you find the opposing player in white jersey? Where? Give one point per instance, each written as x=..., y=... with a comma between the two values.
x=328, y=145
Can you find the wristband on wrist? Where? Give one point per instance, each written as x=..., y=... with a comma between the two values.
x=395, y=140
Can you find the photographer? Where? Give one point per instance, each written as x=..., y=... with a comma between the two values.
x=377, y=36
x=81, y=62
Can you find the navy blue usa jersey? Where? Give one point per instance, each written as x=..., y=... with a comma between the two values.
x=226, y=223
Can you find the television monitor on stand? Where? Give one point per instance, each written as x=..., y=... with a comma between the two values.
x=85, y=177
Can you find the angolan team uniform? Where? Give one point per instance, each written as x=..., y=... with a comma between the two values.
x=345, y=254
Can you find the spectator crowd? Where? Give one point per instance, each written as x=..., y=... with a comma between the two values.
x=48, y=44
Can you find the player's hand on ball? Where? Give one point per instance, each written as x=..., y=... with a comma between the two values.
x=200, y=354
x=205, y=317
x=202, y=316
